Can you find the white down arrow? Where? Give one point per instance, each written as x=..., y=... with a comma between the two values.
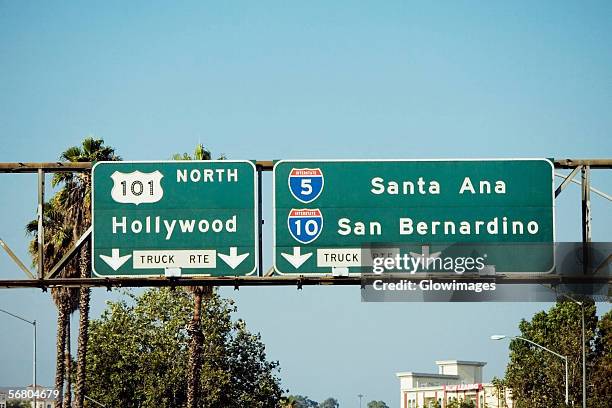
x=115, y=261
x=297, y=259
x=233, y=259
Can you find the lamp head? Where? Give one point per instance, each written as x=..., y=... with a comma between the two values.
x=498, y=337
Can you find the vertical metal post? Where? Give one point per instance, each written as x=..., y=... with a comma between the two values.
x=586, y=218
x=260, y=271
x=41, y=238
x=566, y=383
x=583, y=360
x=34, y=375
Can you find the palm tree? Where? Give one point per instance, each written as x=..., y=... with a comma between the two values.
x=199, y=292
x=58, y=240
x=74, y=200
x=68, y=363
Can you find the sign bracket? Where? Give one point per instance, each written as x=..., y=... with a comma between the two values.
x=70, y=254
x=567, y=180
x=16, y=259
x=260, y=271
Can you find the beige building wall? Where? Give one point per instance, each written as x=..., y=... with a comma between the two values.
x=455, y=380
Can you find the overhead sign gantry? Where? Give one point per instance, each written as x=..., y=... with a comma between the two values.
x=528, y=177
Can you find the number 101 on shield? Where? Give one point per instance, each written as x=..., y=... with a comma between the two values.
x=304, y=224
x=137, y=187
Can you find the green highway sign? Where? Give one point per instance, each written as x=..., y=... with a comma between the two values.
x=327, y=213
x=174, y=218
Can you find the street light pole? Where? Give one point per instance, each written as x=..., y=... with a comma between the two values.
x=501, y=336
x=34, y=350
x=360, y=397
x=584, y=393
x=34, y=363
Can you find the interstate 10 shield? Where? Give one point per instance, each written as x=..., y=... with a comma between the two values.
x=305, y=225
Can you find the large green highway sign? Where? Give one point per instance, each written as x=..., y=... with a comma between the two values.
x=174, y=218
x=327, y=212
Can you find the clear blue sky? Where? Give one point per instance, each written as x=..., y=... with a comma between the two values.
x=272, y=80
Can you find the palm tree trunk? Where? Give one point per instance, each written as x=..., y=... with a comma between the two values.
x=84, y=296
x=68, y=395
x=59, y=354
x=195, y=352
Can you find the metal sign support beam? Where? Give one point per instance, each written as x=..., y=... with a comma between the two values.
x=85, y=238
x=297, y=280
x=16, y=259
x=567, y=180
x=41, y=232
x=586, y=217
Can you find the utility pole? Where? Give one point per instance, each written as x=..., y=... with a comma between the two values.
x=33, y=323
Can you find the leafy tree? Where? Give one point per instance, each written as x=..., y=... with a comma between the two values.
x=139, y=355
x=461, y=404
x=435, y=404
x=17, y=404
x=600, y=370
x=329, y=403
x=298, y=401
x=500, y=391
x=537, y=377
x=377, y=404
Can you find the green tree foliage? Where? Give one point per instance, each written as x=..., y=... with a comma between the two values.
x=329, y=403
x=200, y=153
x=600, y=370
x=537, y=377
x=461, y=404
x=377, y=404
x=18, y=404
x=139, y=352
x=298, y=401
x=500, y=391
